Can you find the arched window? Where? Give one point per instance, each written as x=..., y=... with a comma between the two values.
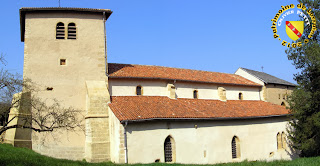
x=72, y=31
x=169, y=150
x=235, y=147
x=139, y=90
x=195, y=94
x=283, y=140
x=279, y=143
x=240, y=96
x=60, y=31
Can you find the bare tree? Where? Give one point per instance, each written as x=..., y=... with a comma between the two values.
x=33, y=113
x=9, y=85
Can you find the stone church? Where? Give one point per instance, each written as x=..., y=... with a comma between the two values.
x=141, y=113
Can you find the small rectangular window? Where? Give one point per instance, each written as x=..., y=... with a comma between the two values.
x=139, y=90
x=49, y=88
x=62, y=62
x=195, y=94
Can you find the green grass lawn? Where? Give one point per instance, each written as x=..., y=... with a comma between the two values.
x=25, y=157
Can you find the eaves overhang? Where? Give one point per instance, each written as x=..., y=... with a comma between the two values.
x=181, y=80
x=202, y=119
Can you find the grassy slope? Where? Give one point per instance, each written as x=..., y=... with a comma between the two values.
x=26, y=157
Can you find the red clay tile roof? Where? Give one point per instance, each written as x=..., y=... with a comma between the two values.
x=158, y=107
x=168, y=73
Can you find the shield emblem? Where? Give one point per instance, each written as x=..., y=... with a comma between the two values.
x=294, y=29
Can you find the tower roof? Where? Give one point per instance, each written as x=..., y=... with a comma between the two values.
x=25, y=10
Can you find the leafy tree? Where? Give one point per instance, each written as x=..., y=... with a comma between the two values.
x=44, y=117
x=304, y=102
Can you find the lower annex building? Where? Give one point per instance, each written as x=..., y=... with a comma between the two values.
x=140, y=113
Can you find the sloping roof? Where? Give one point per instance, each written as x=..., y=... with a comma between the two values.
x=25, y=10
x=267, y=78
x=167, y=73
x=135, y=108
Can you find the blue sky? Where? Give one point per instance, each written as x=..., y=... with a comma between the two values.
x=206, y=35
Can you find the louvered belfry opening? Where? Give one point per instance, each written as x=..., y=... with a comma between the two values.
x=234, y=147
x=168, y=150
x=60, y=31
x=72, y=31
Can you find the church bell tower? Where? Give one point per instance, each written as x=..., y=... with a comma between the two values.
x=65, y=57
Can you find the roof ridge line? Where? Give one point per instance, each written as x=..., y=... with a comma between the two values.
x=253, y=75
x=266, y=75
x=176, y=68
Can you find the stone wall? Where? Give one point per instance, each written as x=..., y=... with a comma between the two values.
x=127, y=87
x=207, y=142
x=278, y=93
x=84, y=61
x=97, y=148
x=117, y=151
x=20, y=114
